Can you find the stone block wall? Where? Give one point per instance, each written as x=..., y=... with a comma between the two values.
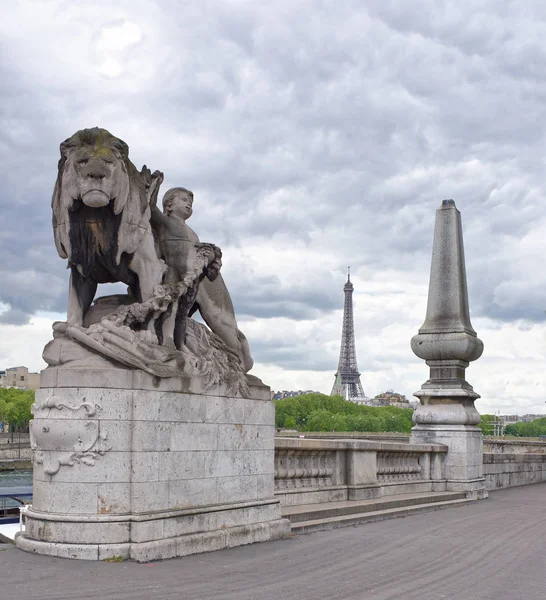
x=159, y=451
x=513, y=446
x=150, y=473
x=12, y=451
x=510, y=470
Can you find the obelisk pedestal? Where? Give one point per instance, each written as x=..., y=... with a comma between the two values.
x=448, y=343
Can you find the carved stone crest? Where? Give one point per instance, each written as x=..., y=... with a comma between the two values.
x=64, y=442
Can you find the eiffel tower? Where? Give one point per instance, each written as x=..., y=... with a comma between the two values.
x=347, y=383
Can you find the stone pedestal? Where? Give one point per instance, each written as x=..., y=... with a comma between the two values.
x=463, y=465
x=130, y=465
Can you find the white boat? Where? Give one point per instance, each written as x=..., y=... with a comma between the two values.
x=12, y=523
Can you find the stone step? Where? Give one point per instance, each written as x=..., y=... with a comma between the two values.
x=328, y=523
x=306, y=512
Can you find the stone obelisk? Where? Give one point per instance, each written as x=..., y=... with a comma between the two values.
x=448, y=343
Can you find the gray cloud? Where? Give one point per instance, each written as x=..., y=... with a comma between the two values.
x=315, y=135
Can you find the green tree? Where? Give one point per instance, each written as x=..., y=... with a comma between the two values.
x=318, y=412
x=15, y=408
x=486, y=424
x=290, y=422
x=319, y=420
x=340, y=422
x=534, y=428
x=3, y=409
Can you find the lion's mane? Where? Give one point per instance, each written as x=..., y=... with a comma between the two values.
x=112, y=230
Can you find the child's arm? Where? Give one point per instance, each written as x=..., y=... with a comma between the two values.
x=155, y=179
x=157, y=217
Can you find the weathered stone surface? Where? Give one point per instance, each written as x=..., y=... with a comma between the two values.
x=174, y=457
x=361, y=467
x=309, y=471
x=141, y=414
x=447, y=309
x=511, y=446
x=106, y=222
x=447, y=340
x=510, y=470
x=312, y=495
x=112, y=378
x=448, y=343
x=195, y=543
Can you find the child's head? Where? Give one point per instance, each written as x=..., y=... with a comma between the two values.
x=178, y=201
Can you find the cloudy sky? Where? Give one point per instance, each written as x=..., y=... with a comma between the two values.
x=315, y=135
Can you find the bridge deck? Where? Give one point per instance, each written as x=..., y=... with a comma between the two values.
x=488, y=550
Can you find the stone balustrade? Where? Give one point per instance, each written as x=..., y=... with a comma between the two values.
x=399, y=466
x=308, y=468
x=311, y=470
x=496, y=445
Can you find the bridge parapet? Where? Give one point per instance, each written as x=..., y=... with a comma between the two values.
x=513, y=446
x=309, y=471
x=511, y=470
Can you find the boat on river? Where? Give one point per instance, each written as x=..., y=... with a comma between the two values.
x=12, y=499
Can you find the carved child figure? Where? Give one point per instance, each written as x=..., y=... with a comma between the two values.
x=179, y=246
x=178, y=243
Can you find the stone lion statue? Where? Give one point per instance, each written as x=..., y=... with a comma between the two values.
x=101, y=220
x=106, y=223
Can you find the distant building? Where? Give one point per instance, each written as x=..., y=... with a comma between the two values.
x=361, y=400
x=290, y=394
x=19, y=378
x=506, y=419
x=390, y=398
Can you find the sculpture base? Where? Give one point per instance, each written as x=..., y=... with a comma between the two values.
x=464, y=459
x=150, y=538
x=146, y=472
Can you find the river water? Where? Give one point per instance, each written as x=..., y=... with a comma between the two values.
x=17, y=478
x=20, y=477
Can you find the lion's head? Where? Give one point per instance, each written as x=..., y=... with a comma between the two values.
x=95, y=173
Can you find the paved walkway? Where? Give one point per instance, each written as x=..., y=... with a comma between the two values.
x=488, y=550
